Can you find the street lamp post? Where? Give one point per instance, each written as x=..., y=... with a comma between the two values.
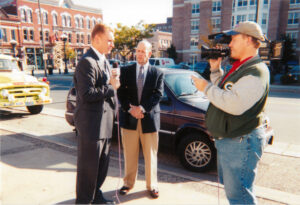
x=13, y=43
x=64, y=38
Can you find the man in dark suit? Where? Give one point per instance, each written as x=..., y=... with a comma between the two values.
x=139, y=94
x=96, y=86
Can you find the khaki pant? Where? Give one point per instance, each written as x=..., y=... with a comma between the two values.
x=149, y=141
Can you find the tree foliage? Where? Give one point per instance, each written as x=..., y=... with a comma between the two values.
x=171, y=51
x=127, y=38
x=70, y=52
x=288, y=52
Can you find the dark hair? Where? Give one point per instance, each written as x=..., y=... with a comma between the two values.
x=99, y=29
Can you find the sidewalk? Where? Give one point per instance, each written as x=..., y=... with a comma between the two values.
x=39, y=173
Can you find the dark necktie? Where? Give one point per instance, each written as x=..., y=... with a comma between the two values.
x=140, y=82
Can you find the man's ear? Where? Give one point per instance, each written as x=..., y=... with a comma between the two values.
x=150, y=53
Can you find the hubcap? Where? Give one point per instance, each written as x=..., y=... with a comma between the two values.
x=197, y=154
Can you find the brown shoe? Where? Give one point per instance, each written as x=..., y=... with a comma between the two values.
x=124, y=190
x=154, y=193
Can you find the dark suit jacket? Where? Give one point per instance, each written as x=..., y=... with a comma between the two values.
x=94, y=101
x=151, y=96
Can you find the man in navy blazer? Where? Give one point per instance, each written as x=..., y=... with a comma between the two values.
x=139, y=94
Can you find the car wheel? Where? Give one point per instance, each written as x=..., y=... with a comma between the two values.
x=35, y=109
x=196, y=152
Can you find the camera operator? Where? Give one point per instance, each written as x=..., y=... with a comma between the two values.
x=235, y=114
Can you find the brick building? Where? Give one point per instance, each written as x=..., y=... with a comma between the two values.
x=193, y=20
x=57, y=17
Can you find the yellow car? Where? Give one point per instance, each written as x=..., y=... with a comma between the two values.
x=18, y=89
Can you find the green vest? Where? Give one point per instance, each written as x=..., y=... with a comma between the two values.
x=222, y=124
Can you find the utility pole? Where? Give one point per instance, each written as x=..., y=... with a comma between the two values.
x=42, y=20
x=257, y=11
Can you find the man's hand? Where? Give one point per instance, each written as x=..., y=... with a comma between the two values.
x=215, y=64
x=115, y=82
x=200, y=84
x=136, y=112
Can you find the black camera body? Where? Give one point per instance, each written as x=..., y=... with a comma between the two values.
x=214, y=53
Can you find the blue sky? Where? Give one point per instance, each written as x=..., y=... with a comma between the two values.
x=130, y=12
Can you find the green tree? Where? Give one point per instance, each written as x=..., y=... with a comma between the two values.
x=171, y=51
x=70, y=53
x=127, y=38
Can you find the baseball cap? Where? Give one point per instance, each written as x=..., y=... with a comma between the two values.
x=247, y=27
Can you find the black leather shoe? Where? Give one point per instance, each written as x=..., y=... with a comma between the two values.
x=103, y=201
x=124, y=190
x=99, y=199
x=154, y=193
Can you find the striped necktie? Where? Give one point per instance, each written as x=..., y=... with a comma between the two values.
x=140, y=82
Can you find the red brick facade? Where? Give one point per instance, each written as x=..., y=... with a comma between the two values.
x=277, y=22
x=29, y=27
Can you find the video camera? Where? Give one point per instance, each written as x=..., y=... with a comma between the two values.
x=269, y=50
x=214, y=53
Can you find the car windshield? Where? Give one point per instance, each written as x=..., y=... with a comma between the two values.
x=295, y=69
x=7, y=64
x=181, y=83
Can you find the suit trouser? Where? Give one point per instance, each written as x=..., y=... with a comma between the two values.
x=92, y=166
x=131, y=145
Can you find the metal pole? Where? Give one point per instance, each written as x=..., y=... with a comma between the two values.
x=66, y=68
x=41, y=19
x=257, y=11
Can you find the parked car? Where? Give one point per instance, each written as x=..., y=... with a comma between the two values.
x=183, y=129
x=294, y=73
x=161, y=62
x=179, y=66
x=203, y=68
x=111, y=61
x=18, y=89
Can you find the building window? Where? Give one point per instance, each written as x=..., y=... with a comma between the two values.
x=23, y=15
x=242, y=3
x=266, y=2
x=41, y=36
x=264, y=20
x=64, y=21
x=70, y=37
x=216, y=6
x=45, y=18
x=69, y=21
x=196, y=8
x=253, y=2
x=29, y=16
x=81, y=23
x=4, y=34
x=82, y=38
x=89, y=39
x=293, y=18
x=25, y=34
x=31, y=35
x=47, y=36
x=38, y=17
x=240, y=18
x=194, y=41
x=232, y=21
x=251, y=17
x=13, y=34
x=76, y=22
x=294, y=1
x=77, y=38
x=193, y=59
x=94, y=21
x=54, y=19
x=216, y=23
x=195, y=25
x=88, y=24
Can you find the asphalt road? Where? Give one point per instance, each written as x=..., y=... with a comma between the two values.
x=283, y=109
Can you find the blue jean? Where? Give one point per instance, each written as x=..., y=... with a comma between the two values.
x=237, y=165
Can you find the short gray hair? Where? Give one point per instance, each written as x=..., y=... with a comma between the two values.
x=147, y=44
